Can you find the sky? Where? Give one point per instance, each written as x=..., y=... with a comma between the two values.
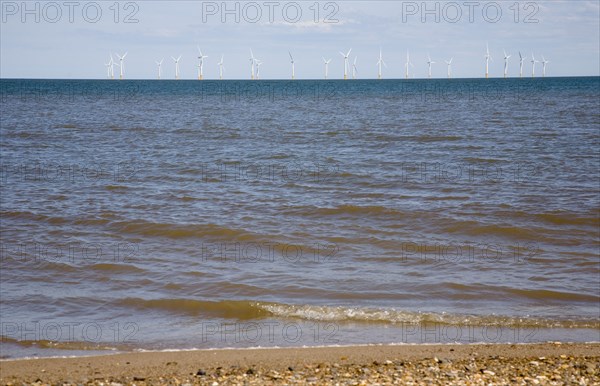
x=73, y=39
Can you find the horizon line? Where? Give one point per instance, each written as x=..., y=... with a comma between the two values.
x=304, y=79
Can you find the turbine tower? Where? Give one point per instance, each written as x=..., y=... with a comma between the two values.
x=533, y=62
x=407, y=63
x=488, y=57
x=252, y=60
x=112, y=67
x=258, y=63
x=176, y=66
x=521, y=60
x=159, y=64
x=121, y=65
x=326, y=66
x=449, y=63
x=346, y=63
x=429, y=62
x=221, y=68
x=109, y=68
x=379, y=63
x=293, y=68
x=544, y=62
x=506, y=57
x=354, y=70
x=201, y=64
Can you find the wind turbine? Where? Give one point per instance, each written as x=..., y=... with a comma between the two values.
x=252, y=60
x=488, y=57
x=109, y=68
x=407, y=63
x=221, y=68
x=112, y=69
x=521, y=60
x=258, y=63
x=379, y=63
x=544, y=62
x=326, y=66
x=201, y=64
x=293, y=68
x=533, y=62
x=121, y=65
x=346, y=63
x=159, y=64
x=354, y=70
x=176, y=66
x=449, y=63
x=429, y=62
x=506, y=57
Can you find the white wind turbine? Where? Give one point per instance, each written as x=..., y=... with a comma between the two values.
x=429, y=62
x=159, y=64
x=506, y=57
x=326, y=66
x=258, y=63
x=176, y=66
x=109, y=67
x=407, y=63
x=449, y=63
x=346, y=62
x=379, y=63
x=293, y=67
x=354, y=70
x=201, y=64
x=121, y=65
x=252, y=60
x=488, y=57
x=521, y=60
x=533, y=62
x=544, y=62
x=221, y=68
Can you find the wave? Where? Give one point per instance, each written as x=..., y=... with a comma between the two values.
x=394, y=316
x=181, y=231
x=26, y=215
x=101, y=219
x=110, y=267
x=354, y=210
x=63, y=345
x=234, y=309
x=247, y=310
x=565, y=218
x=476, y=228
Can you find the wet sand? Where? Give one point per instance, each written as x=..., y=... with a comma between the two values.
x=548, y=363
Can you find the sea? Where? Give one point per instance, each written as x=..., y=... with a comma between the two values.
x=144, y=215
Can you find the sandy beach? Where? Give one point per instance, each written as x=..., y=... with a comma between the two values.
x=549, y=363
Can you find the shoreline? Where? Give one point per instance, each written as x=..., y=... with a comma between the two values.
x=436, y=363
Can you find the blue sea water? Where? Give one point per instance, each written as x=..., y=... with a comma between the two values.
x=200, y=214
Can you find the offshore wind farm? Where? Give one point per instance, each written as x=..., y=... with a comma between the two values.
x=347, y=66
